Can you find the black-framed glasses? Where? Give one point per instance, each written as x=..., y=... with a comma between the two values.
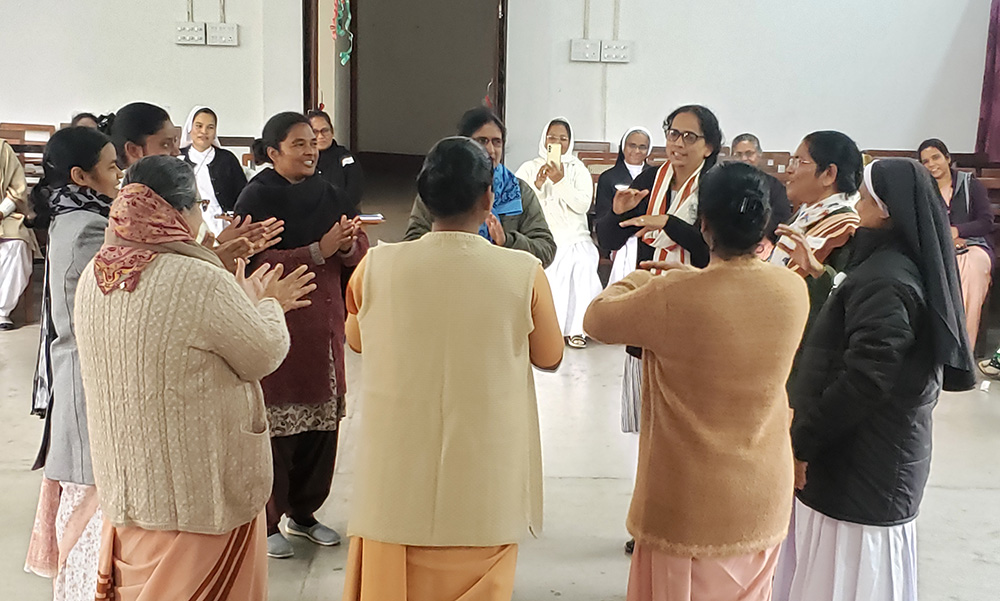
x=689, y=137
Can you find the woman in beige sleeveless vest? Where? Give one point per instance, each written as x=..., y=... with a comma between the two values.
x=450, y=325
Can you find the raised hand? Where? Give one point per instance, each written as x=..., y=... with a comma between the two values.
x=340, y=238
x=556, y=172
x=231, y=252
x=496, y=230
x=801, y=255
x=289, y=291
x=262, y=235
x=543, y=174
x=666, y=266
x=648, y=223
x=627, y=199
x=253, y=285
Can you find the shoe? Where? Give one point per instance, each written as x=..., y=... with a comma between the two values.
x=990, y=367
x=6, y=324
x=279, y=547
x=629, y=547
x=319, y=534
x=578, y=342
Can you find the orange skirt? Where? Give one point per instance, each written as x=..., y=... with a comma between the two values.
x=657, y=576
x=379, y=571
x=151, y=565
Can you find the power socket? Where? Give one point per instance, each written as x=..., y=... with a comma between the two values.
x=616, y=51
x=189, y=33
x=585, y=51
x=223, y=34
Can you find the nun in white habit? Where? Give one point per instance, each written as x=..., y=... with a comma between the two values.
x=566, y=190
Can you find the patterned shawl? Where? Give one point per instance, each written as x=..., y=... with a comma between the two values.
x=141, y=226
x=506, y=196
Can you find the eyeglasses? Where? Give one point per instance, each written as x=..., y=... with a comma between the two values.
x=495, y=142
x=689, y=137
x=796, y=162
x=325, y=131
x=637, y=147
x=557, y=139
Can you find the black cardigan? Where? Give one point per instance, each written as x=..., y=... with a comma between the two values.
x=864, y=389
x=228, y=178
x=339, y=167
x=611, y=236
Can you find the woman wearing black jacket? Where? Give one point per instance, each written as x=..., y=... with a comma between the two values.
x=218, y=172
x=891, y=335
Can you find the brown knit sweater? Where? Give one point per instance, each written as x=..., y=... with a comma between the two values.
x=715, y=457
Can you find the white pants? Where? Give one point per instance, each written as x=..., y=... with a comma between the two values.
x=15, y=270
x=825, y=559
x=574, y=281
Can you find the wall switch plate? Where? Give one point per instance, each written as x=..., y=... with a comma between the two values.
x=616, y=51
x=190, y=33
x=587, y=51
x=223, y=34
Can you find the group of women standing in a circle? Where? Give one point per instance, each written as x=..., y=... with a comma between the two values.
x=229, y=419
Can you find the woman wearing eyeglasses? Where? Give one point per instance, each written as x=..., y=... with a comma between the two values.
x=517, y=220
x=659, y=209
x=662, y=205
x=823, y=179
x=336, y=163
x=633, y=151
x=566, y=191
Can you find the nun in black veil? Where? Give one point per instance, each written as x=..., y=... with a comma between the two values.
x=887, y=341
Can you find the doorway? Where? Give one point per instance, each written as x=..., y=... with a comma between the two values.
x=417, y=66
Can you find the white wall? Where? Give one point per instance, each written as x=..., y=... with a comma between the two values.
x=887, y=72
x=420, y=66
x=65, y=57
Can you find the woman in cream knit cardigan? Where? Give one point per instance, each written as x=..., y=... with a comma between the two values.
x=713, y=487
x=171, y=353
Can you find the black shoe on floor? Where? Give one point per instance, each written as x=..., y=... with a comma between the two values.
x=629, y=547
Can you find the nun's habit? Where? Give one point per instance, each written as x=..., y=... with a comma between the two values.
x=217, y=171
x=622, y=174
x=573, y=272
x=887, y=341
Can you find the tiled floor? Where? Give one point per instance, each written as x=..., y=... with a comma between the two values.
x=588, y=472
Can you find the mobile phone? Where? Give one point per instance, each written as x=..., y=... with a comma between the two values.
x=372, y=218
x=555, y=154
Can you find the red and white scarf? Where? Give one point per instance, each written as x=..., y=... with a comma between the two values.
x=683, y=206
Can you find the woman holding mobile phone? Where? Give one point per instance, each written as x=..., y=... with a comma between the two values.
x=566, y=190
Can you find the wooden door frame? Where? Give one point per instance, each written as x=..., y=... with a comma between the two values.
x=500, y=62
x=310, y=54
